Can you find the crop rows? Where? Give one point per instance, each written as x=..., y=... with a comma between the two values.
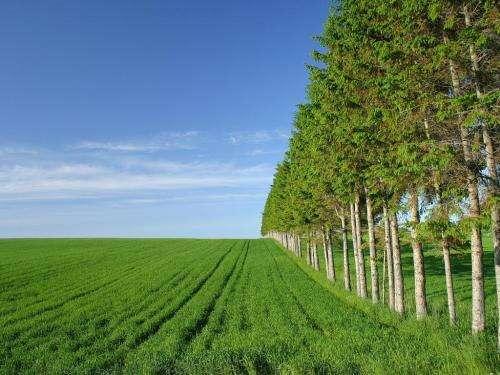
x=194, y=306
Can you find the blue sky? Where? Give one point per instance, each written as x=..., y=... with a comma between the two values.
x=147, y=118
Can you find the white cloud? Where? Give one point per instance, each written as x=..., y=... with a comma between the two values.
x=165, y=141
x=132, y=172
x=197, y=198
x=257, y=137
x=261, y=152
x=16, y=151
x=75, y=181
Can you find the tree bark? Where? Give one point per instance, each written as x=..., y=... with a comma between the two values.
x=399, y=294
x=325, y=253
x=418, y=257
x=330, y=266
x=294, y=243
x=449, y=281
x=345, y=253
x=492, y=171
x=361, y=260
x=332, y=254
x=383, y=276
x=354, y=247
x=309, y=254
x=388, y=250
x=493, y=189
x=445, y=249
x=314, y=249
x=373, y=250
x=478, y=314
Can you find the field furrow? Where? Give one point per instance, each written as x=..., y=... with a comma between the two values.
x=198, y=306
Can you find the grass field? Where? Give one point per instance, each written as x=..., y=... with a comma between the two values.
x=216, y=306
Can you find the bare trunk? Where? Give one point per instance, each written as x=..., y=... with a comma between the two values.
x=495, y=215
x=373, y=250
x=325, y=253
x=399, y=294
x=345, y=253
x=449, y=281
x=329, y=264
x=361, y=260
x=354, y=248
x=418, y=257
x=309, y=253
x=478, y=316
x=383, y=276
x=492, y=171
x=332, y=253
x=388, y=250
x=446, y=251
x=315, y=256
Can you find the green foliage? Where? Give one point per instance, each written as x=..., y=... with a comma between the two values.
x=382, y=114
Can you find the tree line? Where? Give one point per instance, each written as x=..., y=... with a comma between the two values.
x=398, y=136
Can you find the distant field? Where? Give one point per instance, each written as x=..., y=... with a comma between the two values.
x=214, y=306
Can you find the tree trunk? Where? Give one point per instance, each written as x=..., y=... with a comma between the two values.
x=332, y=258
x=345, y=253
x=314, y=249
x=316, y=259
x=399, y=293
x=373, y=250
x=361, y=260
x=354, y=247
x=449, y=281
x=492, y=171
x=446, y=249
x=294, y=243
x=383, y=277
x=495, y=215
x=478, y=315
x=418, y=257
x=388, y=250
x=309, y=254
x=325, y=253
x=327, y=243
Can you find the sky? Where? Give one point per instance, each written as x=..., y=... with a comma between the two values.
x=147, y=118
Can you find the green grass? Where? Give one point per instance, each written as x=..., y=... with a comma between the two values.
x=215, y=306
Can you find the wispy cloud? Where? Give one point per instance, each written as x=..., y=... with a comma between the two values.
x=133, y=171
x=188, y=140
x=75, y=181
x=165, y=141
x=257, y=137
x=13, y=151
x=208, y=198
x=261, y=152
x=170, y=183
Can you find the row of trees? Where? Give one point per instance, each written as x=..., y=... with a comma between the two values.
x=401, y=121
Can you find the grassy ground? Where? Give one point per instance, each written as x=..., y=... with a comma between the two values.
x=212, y=306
